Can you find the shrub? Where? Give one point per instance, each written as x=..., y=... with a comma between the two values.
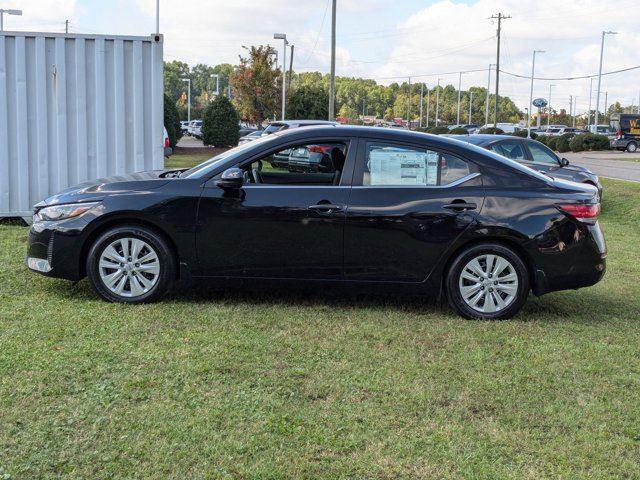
x=438, y=130
x=543, y=139
x=552, y=143
x=562, y=144
x=523, y=134
x=576, y=144
x=492, y=131
x=459, y=131
x=593, y=141
x=172, y=121
x=220, y=125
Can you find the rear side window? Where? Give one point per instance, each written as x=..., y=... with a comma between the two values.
x=394, y=165
x=510, y=149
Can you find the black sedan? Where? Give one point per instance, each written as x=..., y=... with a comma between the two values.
x=535, y=155
x=396, y=209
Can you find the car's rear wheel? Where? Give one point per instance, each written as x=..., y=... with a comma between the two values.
x=487, y=281
x=632, y=147
x=130, y=264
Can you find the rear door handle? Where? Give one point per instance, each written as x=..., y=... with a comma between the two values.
x=326, y=207
x=460, y=206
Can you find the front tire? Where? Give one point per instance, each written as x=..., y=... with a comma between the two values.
x=632, y=147
x=487, y=281
x=130, y=264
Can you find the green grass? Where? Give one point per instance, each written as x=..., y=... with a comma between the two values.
x=186, y=161
x=250, y=384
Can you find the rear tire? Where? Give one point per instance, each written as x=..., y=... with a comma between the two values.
x=632, y=147
x=487, y=281
x=131, y=264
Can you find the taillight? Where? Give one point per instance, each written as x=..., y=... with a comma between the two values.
x=581, y=211
x=166, y=142
x=619, y=134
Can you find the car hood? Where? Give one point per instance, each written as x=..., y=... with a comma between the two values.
x=97, y=189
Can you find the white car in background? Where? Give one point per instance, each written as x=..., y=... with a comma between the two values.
x=195, y=128
x=505, y=127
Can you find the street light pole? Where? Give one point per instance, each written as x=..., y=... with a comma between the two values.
x=409, y=105
x=332, y=75
x=157, y=16
x=283, y=37
x=589, y=111
x=486, y=113
x=427, y=126
x=459, y=87
x=188, y=80
x=470, y=105
x=8, y=12
x=597, y=117
x=549, y=106
x=421, y=101
x=217, y=77
x=533, y=68
x=437, y=101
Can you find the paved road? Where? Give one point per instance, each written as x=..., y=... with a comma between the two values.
x=606, y=164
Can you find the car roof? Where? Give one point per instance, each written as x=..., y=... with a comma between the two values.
x=484, y=138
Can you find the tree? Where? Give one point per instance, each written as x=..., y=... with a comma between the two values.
x=308, y=102
x=256, y=85
x=221, y=123
x=172, y=121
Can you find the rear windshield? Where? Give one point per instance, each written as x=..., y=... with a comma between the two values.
x=274, y=127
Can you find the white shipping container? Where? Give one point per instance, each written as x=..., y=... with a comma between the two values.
x=75, y=108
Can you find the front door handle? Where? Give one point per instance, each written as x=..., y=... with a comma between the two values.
x=326, y=207
x=460, y=206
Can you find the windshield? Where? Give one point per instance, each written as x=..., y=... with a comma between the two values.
x=274, y=127
x=206, y=166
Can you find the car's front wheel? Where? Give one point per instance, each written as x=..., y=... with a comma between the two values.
x=632, y=147
x=487, y=281
x=130, y=264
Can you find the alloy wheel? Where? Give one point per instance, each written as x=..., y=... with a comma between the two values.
x=129, y=267
x=488, y=283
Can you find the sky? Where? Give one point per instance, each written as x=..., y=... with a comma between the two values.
x=385, y=39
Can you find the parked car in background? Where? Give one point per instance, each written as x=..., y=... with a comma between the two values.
x=535, y=155
x=406, y=210
x=196, y=130
x=627, y=128
x=505, y=127
x=551, y=129
x=168, y=151
x=320, y=158
x=191, y=129
x=184, y=127
x=281, y=125
x=250, y=137
x=603, y=130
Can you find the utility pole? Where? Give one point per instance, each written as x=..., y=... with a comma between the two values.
x=500, y=17
x=290, y=69
x=421, y=100
x=188, y=80
x=533, y=68
x=575, y=110
x=157, y=16
x=332, y=75
x=8, y=12
x=459, y=87
x=283, y=37
x=470, y=105
x=570, y=107
x=409, y=105
x=486, y=113
x=437, y=101
x=600, y=78
x=549, y=106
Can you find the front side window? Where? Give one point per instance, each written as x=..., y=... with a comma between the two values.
x=319, y=163
x=393, y=165
x=510, y=149
x=543, y=155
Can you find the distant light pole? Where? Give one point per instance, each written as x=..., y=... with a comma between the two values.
x=549, y=106
x=459, y=87
x=575, y=110
x=438, y=101
x=486, y=113
x=8, y=12
x=188, y=80
x=217, y=77
x=597, y=117
x=533, y=68
x=421, y=102
x=157, y=16
x=589, y=111
x=427, y=126
x=283, y=37
x=470, y=105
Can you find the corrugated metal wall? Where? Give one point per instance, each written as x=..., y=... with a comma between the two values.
x=75, y=108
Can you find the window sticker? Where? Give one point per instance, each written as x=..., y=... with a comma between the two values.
x=391, y=166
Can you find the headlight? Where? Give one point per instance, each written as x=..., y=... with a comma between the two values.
x=61, y=212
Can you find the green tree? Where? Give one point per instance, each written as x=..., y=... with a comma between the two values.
x=172, y=121
x=308, y=102
x=256, y=85
x=221, y=123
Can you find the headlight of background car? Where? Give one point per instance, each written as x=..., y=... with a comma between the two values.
x=61, y=212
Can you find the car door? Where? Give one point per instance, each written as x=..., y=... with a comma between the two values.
x=408, y=204
x=280, y=224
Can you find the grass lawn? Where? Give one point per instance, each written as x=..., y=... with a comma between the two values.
x=185, y=161
x=255, y=384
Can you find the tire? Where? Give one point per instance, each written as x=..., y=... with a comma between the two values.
x=632, y=147
x=117, y=277
x=512, y=291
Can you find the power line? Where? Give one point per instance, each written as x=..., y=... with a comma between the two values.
x=326, y=9
x=581, y=77
x=431, y=74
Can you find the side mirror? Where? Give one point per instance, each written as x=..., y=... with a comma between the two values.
x=564, y=162
x=231, y=178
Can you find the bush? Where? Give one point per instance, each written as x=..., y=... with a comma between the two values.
x=562, y=144
x=543, y=139
x=523, y=134
x=172, y=121
x=459, y=131
x=576, y=144
x=438, y=130
x=220, y=125
x=552, y=143
x=593, y=141
x=492, y=131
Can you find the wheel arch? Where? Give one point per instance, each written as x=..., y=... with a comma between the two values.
x=120, y=220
